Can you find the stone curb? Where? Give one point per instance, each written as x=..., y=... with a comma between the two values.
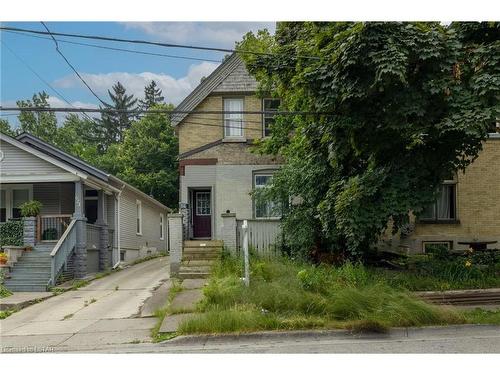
x=400, y=332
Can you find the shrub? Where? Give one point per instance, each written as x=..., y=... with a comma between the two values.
x=31, y=208
x=11, y=233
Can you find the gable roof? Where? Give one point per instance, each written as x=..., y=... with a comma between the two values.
x=230, y=76
x=70, y=163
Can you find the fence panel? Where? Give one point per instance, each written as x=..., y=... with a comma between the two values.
x=264, y=236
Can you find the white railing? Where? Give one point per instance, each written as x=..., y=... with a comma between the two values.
x=264, y=236
x=62, y=251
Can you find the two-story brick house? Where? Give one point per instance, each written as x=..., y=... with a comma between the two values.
x=218, y=171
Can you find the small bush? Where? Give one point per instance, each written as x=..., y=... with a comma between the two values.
x=367, y=326
x=11, y=233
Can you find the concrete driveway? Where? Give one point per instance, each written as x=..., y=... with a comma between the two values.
x=105, y=312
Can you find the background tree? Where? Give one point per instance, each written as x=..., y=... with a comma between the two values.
x=401, y=106
x=6, y=129
x=148, y=157
x=112, y=125
x=40, y=124
x=152, y=96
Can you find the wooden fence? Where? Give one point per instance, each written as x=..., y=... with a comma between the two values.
x=264, y=236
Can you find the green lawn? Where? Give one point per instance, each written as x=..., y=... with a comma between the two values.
x=286, y=294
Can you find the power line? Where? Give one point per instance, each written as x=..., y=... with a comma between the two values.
x=118, y=49
x=71, y=66
x=41, y=78
x=159, y=110
x=135, y=41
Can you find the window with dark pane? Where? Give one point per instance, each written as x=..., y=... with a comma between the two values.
x=270, y=105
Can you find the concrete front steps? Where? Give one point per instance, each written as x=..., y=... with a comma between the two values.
x=198, y=257
x=31, y=272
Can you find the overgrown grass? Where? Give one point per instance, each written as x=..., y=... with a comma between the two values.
x=6, y=313
x=4, y=292
x=286, y=294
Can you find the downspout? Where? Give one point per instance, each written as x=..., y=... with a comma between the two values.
x=118, y=237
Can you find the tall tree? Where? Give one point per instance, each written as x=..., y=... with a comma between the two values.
x=152, y=96
x=6, y=129
x=148, y=157
x=40, y=124
x=112, y=125
x=400, y=107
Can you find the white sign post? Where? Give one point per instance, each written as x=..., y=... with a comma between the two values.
x=245, y=252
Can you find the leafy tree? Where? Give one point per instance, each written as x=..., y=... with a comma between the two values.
x=40, y=124
x=148, y=157
x=152, y=96
x=112, y=125
x=6, y=129
x=76, y=137
x=398, y=107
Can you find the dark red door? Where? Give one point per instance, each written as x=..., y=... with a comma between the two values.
x=202, y=214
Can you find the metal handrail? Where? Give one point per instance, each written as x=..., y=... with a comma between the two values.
x=59, y=255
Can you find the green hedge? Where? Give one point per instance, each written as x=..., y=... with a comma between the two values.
x=11, y=233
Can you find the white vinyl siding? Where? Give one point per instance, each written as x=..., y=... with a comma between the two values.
x=162, y=227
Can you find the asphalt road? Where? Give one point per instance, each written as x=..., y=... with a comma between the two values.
x=103, y=313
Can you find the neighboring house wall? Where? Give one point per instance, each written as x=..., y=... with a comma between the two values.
x=138, y=245
x=477, y=202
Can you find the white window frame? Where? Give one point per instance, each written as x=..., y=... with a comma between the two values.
x=261, y=174
x=138, y=220
x=162, y=227
x=9, y=196
x=264, y=116
x=229, y=116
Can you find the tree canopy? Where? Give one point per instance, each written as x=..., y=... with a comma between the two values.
x=399, y=108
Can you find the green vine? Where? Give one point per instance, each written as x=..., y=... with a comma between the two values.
x=11, y=233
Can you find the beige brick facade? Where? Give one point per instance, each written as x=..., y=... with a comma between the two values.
x=197, y=130
x=478, y=206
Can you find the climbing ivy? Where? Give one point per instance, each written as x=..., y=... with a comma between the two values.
x=11, y=233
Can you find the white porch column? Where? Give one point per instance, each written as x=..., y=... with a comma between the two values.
x=228, y=231
x=103, y=232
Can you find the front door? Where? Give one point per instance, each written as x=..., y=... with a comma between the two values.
x=202, y=214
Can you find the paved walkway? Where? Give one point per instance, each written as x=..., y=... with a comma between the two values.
x=105, y=312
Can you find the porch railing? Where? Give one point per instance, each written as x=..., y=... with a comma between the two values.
x=62, y=251
x=264, y=236
x=93, y=233
x=52, y=227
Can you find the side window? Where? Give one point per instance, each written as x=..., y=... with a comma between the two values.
x=268, y=118
x=445, y=206
x=162, y=226
x=138, y=205
x=264, y=207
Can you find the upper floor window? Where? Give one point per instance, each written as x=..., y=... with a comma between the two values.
x=233, y=122
x=445, y=207
x=138, y=206
x=268, y=119
x=264, y=207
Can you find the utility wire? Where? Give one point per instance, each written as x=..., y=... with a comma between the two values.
x=72, y=67
x=117, y=49
x=41, y=78
x=159, y=110
x=135, y=41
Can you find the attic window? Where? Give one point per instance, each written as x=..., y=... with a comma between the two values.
x=233, y=122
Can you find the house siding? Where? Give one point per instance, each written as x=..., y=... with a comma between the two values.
x=134, y=245
x=56, y=198
x=17, y=162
